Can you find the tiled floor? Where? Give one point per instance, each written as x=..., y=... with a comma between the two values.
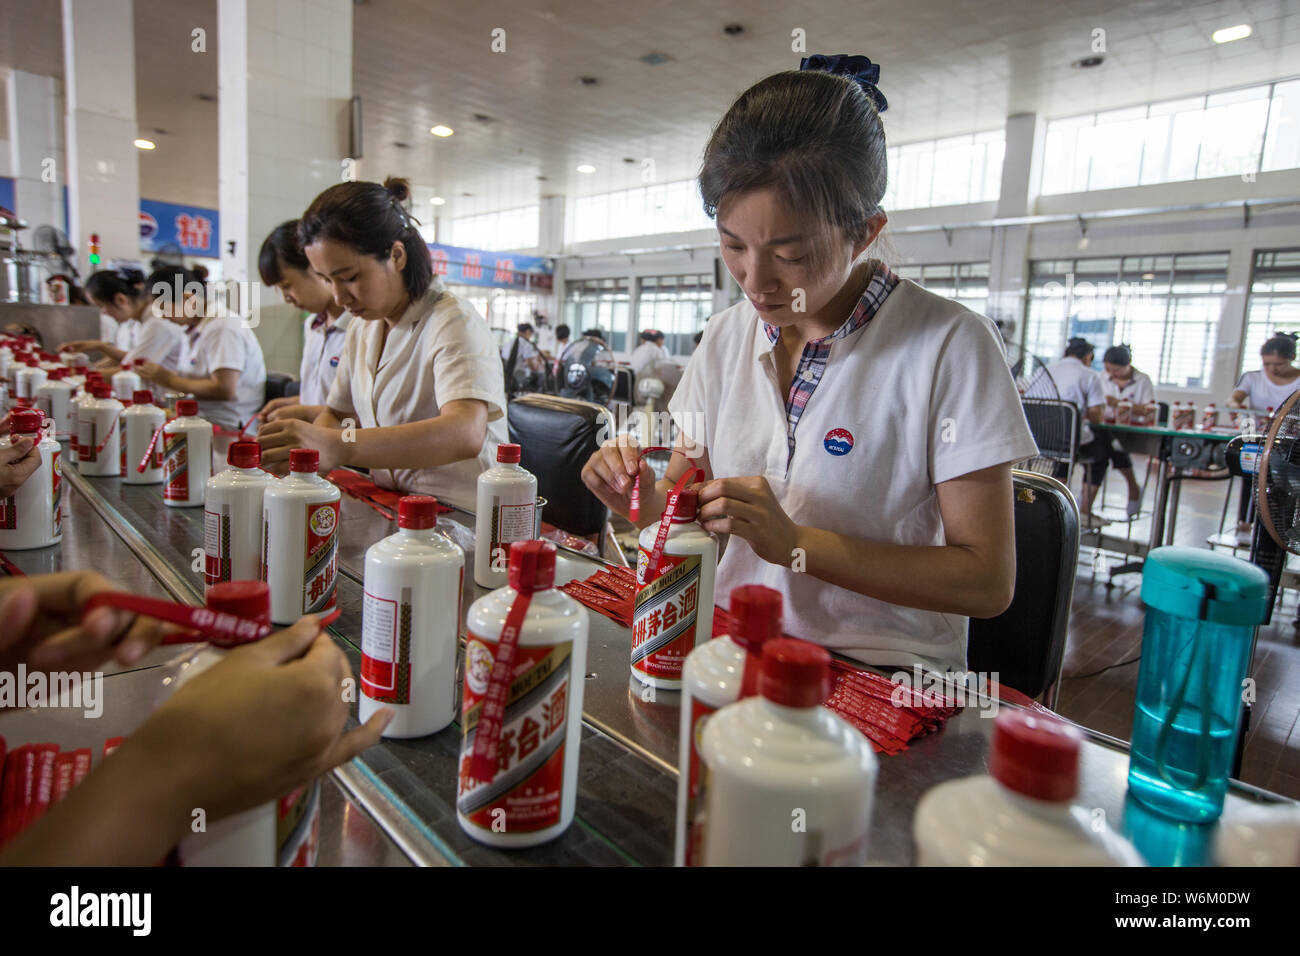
x=1106, y=629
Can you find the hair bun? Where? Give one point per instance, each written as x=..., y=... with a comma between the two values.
x=858, y=68
x=398, y=188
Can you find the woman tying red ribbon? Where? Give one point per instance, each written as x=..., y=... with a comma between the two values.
x=856, y=432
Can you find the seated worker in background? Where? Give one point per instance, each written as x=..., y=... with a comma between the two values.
x=1073, y=380
x=1266, y=387
x=419, y=373
x=877, y=500
x=1122, y=382
x=270, y=715
x=221, y=361
x=523, y=362
x=122, y=295
x=281, y=264
x=649, y=353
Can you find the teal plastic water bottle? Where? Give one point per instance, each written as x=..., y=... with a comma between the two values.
x=1202, y=608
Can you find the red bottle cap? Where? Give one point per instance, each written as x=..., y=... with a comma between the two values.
x=508, y=453
x=795, y=673
x=58, y=373
x=247, y=599
x=688, y=505
x=25, y=421
x=306, y=460
x=1035, y=755
x=417, y=512
x=186, y=407
x=755, y=615
x=532, y=565
x=81, y=369
x=23, y=402
x=142, y=396
x=243, y=454
x=126, y=366
x=101, y=390
x=140, y=361
x=94, y=376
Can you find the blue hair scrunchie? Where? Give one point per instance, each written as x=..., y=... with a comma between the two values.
x=859, y=68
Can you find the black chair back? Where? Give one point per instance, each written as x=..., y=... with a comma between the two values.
x=1025, y=644
x=557, y=436
x=1054, y=423
x=624, y=385
x=277, y=385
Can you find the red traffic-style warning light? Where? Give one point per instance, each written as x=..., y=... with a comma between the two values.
x=94, y=249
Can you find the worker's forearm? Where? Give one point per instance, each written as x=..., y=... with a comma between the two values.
x=207, y=389
x=952, y=579
x=427, y=444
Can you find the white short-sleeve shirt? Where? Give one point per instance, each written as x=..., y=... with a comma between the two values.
x=646, y=355
x=919, y=395
x=1071, y=381
x=1262, y=394
x=127, y=334
x=440, y=351
x=322, y=351
x=1138, y=389
x=108, y=328
x=160, y=341
x=225, y=341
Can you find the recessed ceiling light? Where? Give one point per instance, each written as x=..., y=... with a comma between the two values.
x=440, y=130
x=400, y=145
x=438, y=201
x=654, y=58
x=586, y=168
x=482, y=118
x=467, y=194
x=733, y=29
x=145, y=144
x=588, y=80
x=1148, y=276
x=629, y=159
x=1088, y=62
x=207, y=97
x=1228, y=34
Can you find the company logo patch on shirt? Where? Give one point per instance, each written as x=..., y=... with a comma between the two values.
x=838, y=441
x=334, y=362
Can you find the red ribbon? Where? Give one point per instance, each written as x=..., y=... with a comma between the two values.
x=666, y=521
x=634, y=499
x=484, y=758
x=144, y=462
x=112, y=430
x=216, y=627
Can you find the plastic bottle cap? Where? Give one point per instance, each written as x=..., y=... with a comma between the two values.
x=509, y=453
x=306, y=460
x=186, y=407
x=140, y=361
x=82, y=369
x=142, y=396
x=795, y=673
x=247, y=599
x=101, y=390
x=688, y=505
x=23, y=402
x=58, y=373
x=755, y=615
x=243, y=454
x=126, y=366
x=25, y=421
x=1035, y=755
x=417, y=512
x=532, y=565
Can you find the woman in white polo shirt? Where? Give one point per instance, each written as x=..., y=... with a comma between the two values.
x=1122, y=382
x=419, y=373
x=856, y=432
x=221, y=360
x=281, y=264
x=1265, y=388
x=1072, y=379
x=122, y=296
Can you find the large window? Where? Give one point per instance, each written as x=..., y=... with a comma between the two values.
x=1239, y=132
x=598, y=303
x=508, y=229
x=1166, y=308
x=966, y=282
x=1274, y=304
x=677, y=306
x=643, y=211
x=945, y=172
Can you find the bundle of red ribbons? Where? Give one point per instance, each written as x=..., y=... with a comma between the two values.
x=610, y=591
x=34, y=777
x=363, y=489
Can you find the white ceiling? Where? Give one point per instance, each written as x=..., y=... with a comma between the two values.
x=947, y=67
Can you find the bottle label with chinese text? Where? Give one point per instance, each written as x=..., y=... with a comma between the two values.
x=176, y=468
x=526, y=794
x=216, y=546
x=700, y=712
x=663, y=619
x=386, y=647
x=321, y=565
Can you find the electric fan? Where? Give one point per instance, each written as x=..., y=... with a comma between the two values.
x=1052, y=424
x=1277, y=493
x=52, y=242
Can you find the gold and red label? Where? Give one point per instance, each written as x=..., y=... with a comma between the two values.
x=664, y=616
x=700, y=713
x=321, y=564
x=216, y=546
x=527, y=792
x=176, y=466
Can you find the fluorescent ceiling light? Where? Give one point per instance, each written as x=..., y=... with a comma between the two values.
x=144, y=144
x=441, y=130
x=586, y=168
x=438, y=201
x=1228, y=34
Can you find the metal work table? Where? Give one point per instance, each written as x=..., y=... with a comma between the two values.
x=627, y=779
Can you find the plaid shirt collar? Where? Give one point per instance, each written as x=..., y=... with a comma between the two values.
x=812, y=363
x=319, y=322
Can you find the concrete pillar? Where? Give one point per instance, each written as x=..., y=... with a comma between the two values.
x=285, y=82
x=35, y=108
x=103, y=172
x=1009, y=245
